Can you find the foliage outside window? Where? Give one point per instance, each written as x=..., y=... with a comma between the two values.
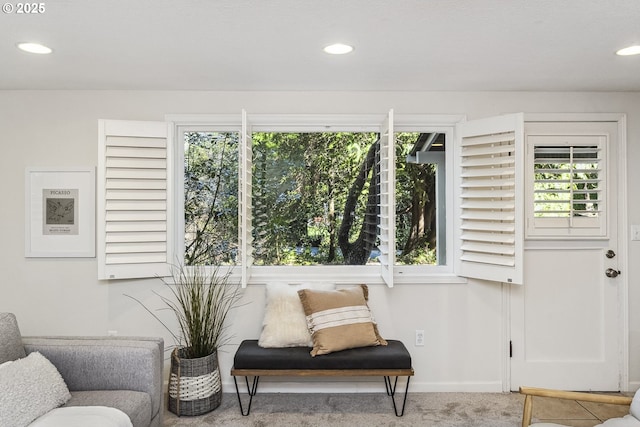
x=416, y=229
x=314, y=199
x=211, y=197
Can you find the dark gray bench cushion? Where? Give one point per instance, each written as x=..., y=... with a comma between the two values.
x=392, y=356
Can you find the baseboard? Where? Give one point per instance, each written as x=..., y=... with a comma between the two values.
x=312, y=385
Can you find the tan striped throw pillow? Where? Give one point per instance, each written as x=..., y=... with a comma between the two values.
x=339, y=319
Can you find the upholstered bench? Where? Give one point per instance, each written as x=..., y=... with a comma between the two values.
x=387, y=361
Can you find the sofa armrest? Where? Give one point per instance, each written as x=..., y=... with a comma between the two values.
x=106, y=363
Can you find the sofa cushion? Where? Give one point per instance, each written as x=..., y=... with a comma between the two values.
x=32, y=387
x=136, y=404
x=83, y=416
x=11, y=347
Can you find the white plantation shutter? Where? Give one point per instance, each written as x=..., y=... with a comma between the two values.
x=490, y=203
x=134, y=200
x=387, y=220
x=245, y=226
x=568, y=184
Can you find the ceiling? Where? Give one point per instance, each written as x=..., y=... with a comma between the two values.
x=276, y=45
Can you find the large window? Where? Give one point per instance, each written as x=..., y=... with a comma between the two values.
x=315, y=198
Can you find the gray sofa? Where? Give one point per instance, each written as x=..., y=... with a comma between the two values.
x=120, y=372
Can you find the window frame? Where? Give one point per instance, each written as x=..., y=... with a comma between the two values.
x=178, y=131
x=443, y=273
x=322, y=123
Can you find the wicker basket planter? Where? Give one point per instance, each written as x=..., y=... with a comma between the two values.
x=195, y=387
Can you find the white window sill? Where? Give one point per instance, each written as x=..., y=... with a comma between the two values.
x=347, y=275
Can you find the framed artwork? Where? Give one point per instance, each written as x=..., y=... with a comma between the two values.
x=60, y=212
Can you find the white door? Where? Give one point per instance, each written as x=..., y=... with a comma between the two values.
x=565, y=326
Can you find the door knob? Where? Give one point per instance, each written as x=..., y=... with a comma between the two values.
x=610, y=254
x=610, y=272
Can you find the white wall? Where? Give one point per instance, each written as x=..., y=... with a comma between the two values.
x=463, y=322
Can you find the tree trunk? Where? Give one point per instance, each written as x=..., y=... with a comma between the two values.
x=422, y=209
x=357, y=252
x=332, y=229
x=430, y=214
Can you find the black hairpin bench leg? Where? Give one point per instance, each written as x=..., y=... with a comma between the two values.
x=391, y=391
x=251, y=390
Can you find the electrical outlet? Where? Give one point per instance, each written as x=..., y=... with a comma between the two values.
x=635, y=232
x=419, y=337
x=112, y=333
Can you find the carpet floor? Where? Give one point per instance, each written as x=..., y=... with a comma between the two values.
x=362, y=409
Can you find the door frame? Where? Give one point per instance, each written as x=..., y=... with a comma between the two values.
x=623, y=246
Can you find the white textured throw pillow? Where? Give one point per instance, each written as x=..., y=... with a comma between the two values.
x=635, y=405
x=29, y=388
x=285, y=324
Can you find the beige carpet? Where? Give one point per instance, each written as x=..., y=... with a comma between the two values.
x=362, y=409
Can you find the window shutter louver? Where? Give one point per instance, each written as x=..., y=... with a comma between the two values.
x=134, y=200
x=245, y=226
x=386, y=181
x=489, y=153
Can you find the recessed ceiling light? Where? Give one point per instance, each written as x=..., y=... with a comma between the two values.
x=631, y=50
x=338, y=49
x=34, y=48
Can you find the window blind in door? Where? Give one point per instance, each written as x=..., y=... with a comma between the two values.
x=568, y=185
